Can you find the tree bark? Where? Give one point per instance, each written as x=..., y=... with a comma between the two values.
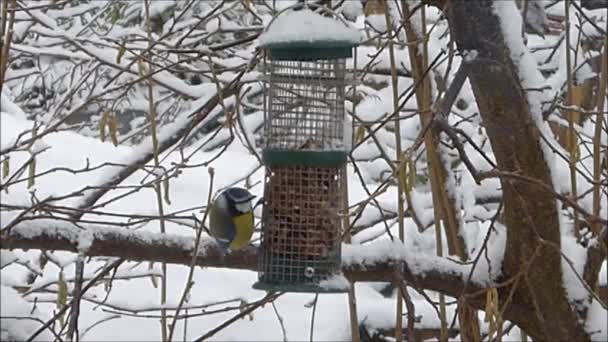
x=531, y=214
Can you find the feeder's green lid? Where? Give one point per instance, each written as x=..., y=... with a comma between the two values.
x=306, y=35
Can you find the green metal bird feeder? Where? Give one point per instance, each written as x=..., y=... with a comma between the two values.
x=306, y=142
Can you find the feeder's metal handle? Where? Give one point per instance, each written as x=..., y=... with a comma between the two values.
x=324, y=8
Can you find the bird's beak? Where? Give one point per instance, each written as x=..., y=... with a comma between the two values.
x=259, y=202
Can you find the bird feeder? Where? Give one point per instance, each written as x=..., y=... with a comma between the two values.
x=306, y=142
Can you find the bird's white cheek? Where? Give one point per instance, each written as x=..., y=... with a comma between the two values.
x=243, y=207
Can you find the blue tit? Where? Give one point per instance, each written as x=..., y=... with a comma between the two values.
x=231, y=218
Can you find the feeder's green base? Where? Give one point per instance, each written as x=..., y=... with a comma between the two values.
x=301, y=288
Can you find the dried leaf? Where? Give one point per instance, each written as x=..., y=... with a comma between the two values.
x=491, y=330
x=62, y=291
x=6, y=167
x=229, y=122
x=141, y=68
x=373, y=7
x=121, y=51
x=62, y=295
x=412, y=172
x=488, y=308
x=405, y=177
x=360, y=134
x=166, y=190
x=102, y=125
x=152, y=278
x=31, y=172
x=247, y=182
x=113, y=126
x=491, y=310
x=576, y=152
x=115, y=14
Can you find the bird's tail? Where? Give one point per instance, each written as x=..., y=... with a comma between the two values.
x=223, y=244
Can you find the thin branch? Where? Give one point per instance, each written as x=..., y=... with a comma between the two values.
x=90, y=284
x=270, y=297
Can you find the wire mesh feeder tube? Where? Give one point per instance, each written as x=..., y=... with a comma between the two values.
x=301, y=234
x=306, y=105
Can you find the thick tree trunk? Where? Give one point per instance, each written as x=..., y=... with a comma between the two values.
x=531, y=214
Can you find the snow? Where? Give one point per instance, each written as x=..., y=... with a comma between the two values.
x=84, y=238
x=157, y=7
x=573, y=265
x=377, y=312
x=603, y=275
x=7, y=257
x=307, y=26
x=335, y=282
x=22, y=316
x=9, y=107
x=420, y=263
x=597, y=317
x=12, y=126
x=351, y=9
x=469, y=55
x=377, y=22
x=132, y=291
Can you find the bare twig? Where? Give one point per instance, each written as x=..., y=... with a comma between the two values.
x=312, y=317
x=189, y=282
x=90, y=284
x=268, y=298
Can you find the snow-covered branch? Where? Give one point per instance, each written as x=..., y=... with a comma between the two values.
x=370, y=262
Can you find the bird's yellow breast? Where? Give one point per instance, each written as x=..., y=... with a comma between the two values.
x=244, y=230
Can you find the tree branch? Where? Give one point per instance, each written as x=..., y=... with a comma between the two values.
x=369, y=262
x=424, y=271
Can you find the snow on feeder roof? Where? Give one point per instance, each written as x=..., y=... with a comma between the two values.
x=306, y=35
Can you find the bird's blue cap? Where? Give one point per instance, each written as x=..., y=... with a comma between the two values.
x=239, y=195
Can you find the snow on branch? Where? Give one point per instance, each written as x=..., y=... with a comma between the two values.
x=107, y=241
x=376, y=261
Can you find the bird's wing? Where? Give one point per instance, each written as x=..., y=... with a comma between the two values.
x=224, y=244
x=221, y=225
